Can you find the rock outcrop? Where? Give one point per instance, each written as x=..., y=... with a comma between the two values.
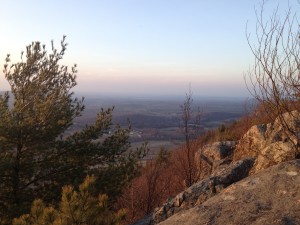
x=270, y=143
x=218, y=150
x=212, y=156
x=228, y=195
x=204, y=189
x=269, y=197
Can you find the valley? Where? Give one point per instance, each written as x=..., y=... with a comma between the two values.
x=158, y=120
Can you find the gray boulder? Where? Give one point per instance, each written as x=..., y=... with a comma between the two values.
x=210, y=157
x=218, y=150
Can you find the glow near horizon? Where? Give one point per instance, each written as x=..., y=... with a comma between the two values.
x=138, y=46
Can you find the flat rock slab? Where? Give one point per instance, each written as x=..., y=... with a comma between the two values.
x=271, y=196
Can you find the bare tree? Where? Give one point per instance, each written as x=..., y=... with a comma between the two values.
x=274, y=79
x=190, y=128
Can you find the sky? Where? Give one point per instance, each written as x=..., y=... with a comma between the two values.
x=141, y=47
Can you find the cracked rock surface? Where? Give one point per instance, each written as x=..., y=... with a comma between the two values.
x=271, y=196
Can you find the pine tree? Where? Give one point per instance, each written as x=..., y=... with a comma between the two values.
x=36, y=157
x=76, y=207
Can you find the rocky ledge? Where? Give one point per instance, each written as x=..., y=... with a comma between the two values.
x=271, y=196
x=228, y=195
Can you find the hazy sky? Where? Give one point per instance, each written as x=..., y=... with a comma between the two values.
x=140, y=46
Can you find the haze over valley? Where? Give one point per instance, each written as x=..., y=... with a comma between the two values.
x=157, y=120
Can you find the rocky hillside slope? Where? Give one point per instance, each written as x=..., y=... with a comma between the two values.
x=269, y=197
x=254, y=181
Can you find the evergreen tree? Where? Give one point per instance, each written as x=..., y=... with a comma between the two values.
x=36, y=158
x=76, y=207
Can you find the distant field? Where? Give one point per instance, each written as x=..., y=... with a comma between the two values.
x=158, y=120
